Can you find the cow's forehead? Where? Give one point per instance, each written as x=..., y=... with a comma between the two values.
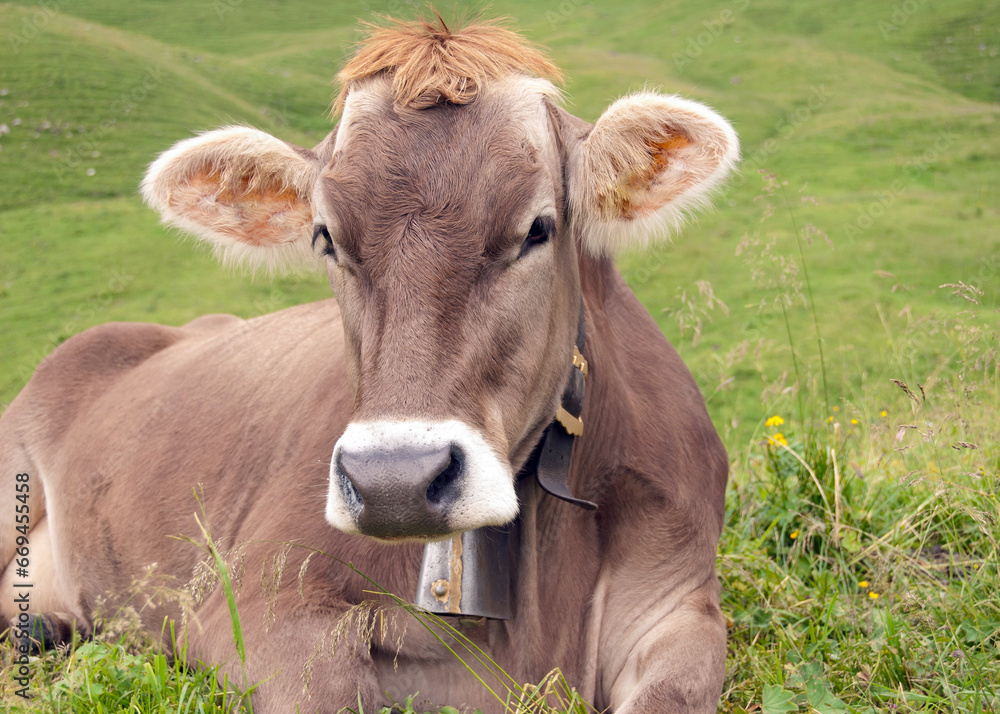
x=518, y=100
x=477, y=171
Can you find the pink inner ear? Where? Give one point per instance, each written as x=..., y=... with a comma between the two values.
x=660, y=154
x=259, y=213
x=637, y=193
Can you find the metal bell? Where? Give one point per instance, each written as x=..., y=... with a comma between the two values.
x=469, y=575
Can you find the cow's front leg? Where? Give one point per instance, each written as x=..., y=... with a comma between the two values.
x=678, y=665
x=302, y=656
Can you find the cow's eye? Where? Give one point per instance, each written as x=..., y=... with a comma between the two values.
x=328, y=248
x=541, y=230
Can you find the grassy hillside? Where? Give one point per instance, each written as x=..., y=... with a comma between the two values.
x=897, y=155
x=870, y=141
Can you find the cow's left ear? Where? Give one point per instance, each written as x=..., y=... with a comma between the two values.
x=648, y=162
x=241, y=190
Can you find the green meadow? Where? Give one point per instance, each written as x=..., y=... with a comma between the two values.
x=838, y=307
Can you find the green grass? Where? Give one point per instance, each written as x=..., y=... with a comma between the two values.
x=880, y=125
x=124, y=674
x=869, y=568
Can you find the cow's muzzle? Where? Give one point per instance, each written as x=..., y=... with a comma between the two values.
x=396, y=492
x=417, y=480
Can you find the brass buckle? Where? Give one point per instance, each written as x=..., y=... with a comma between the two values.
x=572, y=424
x=579, y=361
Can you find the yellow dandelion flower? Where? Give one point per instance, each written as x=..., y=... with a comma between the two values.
x=829, y=420
x=793, y=535
x=863, y=584
x=836, y=408
x=873, y=596
x=778, y=438
x=774, y=421
x=883, y=413
x=854, y=421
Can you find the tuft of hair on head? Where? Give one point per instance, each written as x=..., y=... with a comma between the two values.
x=431, y=64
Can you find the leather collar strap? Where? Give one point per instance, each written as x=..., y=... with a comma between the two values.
x=552, y=471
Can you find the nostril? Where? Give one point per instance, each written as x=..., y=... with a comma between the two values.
x=444, y=488
x=352, y=496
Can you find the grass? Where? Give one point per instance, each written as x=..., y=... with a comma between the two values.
x=114, y=674
x=868, y=568
x=871, y=145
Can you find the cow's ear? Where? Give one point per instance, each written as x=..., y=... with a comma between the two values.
x=241, y=190
x=648, y=162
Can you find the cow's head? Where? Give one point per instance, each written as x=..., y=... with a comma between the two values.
x=448, y=205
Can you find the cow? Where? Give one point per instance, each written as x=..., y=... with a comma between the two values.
x=467, y=224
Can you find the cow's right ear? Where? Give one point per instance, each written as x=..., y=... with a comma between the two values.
x=241, y=190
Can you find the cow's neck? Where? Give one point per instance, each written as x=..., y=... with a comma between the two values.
x=472, y=574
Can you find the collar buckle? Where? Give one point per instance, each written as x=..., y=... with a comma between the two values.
x=580, y=362
x=573, y=425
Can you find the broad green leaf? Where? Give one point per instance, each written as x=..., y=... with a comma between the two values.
x=777, y=700
x=829, y=704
